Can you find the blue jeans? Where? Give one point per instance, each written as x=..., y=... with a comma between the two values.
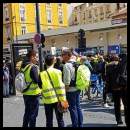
x=49, y=115
x=75, y=109
x=31, y=110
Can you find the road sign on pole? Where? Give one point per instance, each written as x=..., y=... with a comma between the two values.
x=37, y=38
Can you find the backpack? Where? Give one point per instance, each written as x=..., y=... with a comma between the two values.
x=83, y=77
x=73, y=81
x=20, y=82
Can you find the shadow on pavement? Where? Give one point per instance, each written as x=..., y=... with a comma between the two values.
x=96, y=125
x=96, y=106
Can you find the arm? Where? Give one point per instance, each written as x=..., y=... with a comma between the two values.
x=66, y=77
x=34, y=74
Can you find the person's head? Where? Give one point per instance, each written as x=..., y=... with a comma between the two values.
x=49, y=60
x=114, y=58
x=32, y=56
x=83, y=59
x=66, y=55
x=123, y=57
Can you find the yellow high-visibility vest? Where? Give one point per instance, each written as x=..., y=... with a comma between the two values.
x=83, y=77
x=34, y=88
x=48, y=92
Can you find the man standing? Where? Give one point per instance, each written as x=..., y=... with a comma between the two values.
x=118, y=89
x=72, y=93
x=53, y=91
x=31, y=95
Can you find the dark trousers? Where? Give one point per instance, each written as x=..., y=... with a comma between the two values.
x=31, y=110
x=104, y=95
x=49, y=115
x=75, y=109
x=117, y=96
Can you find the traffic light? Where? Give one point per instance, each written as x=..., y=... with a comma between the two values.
x=42, y=40
x=81, y=39
x=82, y=43
x=81, y=33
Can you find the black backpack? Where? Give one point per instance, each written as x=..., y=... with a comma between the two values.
x=75, y=65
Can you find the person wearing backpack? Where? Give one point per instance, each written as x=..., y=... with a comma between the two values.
x=31, y=95
x=72, y=93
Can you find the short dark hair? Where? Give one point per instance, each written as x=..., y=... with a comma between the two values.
x=67, y=52
x=49, y=60
x=31, y=53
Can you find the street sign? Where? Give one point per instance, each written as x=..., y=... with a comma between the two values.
x=53, y=50
x=37, y=38
x=114, y=49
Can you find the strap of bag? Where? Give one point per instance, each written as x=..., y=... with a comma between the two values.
x=25, y=81
x=52, y=84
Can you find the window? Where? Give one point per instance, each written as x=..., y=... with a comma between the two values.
x=48, y=4
x=125, y=4
x=108, y=8
x=89, y=14
x=87, y=4
x=75, y=18
x=6, y=14
x=90, y=4
x=96, y=12
x=60, y=16
x=8, y=31
x=118, y=6
x=59, y=4
x=23, y=30
x=22, y=12
x=83, y=16
x=48, y=15
x=101, y=11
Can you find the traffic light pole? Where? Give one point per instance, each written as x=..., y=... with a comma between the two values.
x=38, y=31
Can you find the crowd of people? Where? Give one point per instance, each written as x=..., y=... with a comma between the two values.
x=56, y=84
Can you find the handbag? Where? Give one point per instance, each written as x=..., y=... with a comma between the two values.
x=62, y=106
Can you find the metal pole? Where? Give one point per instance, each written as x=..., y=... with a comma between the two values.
x=15, y=26
x=38, y=31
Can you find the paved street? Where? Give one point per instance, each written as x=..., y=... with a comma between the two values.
x=94, y=114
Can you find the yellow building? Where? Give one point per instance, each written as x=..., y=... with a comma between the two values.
x=20, y=18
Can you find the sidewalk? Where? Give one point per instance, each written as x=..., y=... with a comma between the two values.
x=94, y=114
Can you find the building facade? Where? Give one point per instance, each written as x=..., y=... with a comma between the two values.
x=20, y=18
x=88, y=13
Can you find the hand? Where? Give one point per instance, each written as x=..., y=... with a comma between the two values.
x=67, y=87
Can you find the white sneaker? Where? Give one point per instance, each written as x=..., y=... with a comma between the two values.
x=106, y=105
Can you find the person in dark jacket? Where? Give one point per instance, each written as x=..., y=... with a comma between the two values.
x=118, y=92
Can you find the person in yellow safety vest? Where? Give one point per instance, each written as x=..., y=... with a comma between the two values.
x=50, y=98
x=32, y=93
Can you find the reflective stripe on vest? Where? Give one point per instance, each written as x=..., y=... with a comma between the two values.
x=51, y=89
x=53, y=96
